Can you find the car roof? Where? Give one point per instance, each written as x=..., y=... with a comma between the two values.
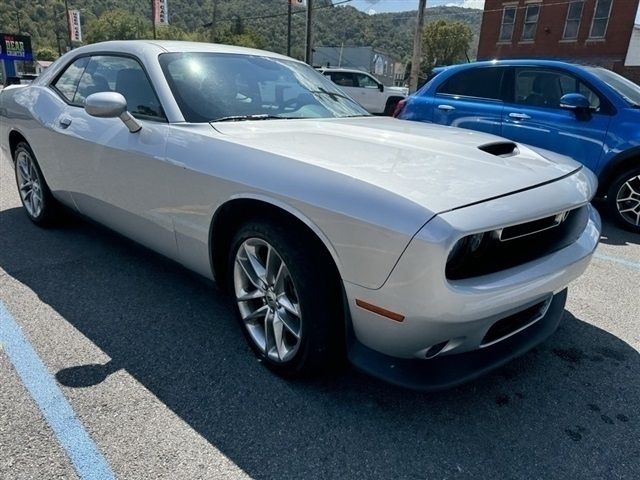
x=533, y=62
x=173, y=46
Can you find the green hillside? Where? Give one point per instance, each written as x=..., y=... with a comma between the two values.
x=390, y=32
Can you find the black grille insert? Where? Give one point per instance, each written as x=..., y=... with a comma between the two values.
x=508, y=325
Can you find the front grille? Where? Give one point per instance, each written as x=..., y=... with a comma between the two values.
x=514, y=323
x=514, y=245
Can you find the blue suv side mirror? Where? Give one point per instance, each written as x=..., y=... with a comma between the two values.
x=575, y=102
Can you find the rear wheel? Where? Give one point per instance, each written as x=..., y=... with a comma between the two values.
x=391, y=106
x=36, y=198
x=623, y=199
x=285, y=298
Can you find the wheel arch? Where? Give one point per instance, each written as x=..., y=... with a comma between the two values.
x=15, y=137
x=229, y=216
x=622, y=161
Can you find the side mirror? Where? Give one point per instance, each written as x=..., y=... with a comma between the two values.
x=575, y=101
x=111, y=105
x=381, y=87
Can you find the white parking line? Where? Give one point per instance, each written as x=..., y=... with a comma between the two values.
x=87, y=460
x=618, y=260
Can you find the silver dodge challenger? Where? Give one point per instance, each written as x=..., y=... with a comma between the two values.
x=426, y=255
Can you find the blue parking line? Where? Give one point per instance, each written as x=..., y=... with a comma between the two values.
x=619, y=260
x=87, y=460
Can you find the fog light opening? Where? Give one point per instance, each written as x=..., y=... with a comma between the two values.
x=435, y=350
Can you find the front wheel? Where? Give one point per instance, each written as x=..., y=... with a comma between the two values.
x=286, y=298
x=623, y=199
x=36, y=198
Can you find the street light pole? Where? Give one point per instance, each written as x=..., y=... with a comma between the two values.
x=416, y=59
x=288, y=28
x=308, y=57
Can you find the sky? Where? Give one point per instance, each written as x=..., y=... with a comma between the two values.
x=403, y=5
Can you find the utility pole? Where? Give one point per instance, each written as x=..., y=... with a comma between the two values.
x=153, y=17
x=416, y=59
x=308, y=57
x=58, y=41
x=214, y=19
x=66, y=10
x=288, y=28
x=18, y=19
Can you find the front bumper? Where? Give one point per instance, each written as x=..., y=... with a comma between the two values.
x=448, y=371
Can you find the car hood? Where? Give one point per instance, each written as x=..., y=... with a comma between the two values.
x=439, y=168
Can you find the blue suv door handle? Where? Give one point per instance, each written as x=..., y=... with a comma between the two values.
x=446, y=108
x=519, y=116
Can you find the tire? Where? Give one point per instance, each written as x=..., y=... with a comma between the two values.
x=626, y=213
x=302, y=300
x=35, y=195
x=391, y=106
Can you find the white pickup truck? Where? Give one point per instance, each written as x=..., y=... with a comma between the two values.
x=366, y=89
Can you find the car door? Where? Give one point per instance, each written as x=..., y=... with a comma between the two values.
x=534, y=116
x=471, y=98
x=117, y=177
x=368, y=93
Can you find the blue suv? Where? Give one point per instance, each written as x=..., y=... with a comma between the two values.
x=588, y=113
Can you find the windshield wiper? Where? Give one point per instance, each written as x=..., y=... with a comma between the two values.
x=240, y=118
x=333, y=95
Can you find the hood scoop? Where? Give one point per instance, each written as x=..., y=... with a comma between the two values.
x=500, y=149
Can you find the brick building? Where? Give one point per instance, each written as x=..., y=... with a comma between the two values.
x=597, y=32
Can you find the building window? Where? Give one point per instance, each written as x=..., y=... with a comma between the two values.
x=600, y=19
x=531, y=16
x=508, y=20
x=572, y=25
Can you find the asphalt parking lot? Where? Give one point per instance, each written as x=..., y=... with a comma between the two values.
x=159, y=382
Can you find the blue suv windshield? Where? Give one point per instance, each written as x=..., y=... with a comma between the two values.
x=625, y=88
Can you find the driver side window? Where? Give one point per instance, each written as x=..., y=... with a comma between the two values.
x=545, y=88
x=365, y=81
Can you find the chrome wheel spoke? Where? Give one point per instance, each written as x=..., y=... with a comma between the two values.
x=253, y=263
x=269, y=334
x=245, y=296
x=257, y=315
x=292, y=324
x=249, y=271
x=289, y=306
x=278, y=337
x=274, y=265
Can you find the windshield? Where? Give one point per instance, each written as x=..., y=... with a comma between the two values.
x=218, y=86
x=626, y=88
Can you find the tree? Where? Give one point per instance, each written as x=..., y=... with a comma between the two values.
x=445, y=43
x=116, y=25
x=46, y=54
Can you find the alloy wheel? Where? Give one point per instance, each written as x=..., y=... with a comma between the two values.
x=628, y=200
x=29, y=184
x=267, y=300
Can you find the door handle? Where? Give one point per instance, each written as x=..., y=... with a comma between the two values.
x=519, y=116
x=65, y=122
x=446, y=108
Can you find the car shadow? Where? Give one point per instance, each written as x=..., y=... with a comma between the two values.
x=569, y=408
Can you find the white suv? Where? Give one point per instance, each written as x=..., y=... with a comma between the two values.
x=366, y=89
